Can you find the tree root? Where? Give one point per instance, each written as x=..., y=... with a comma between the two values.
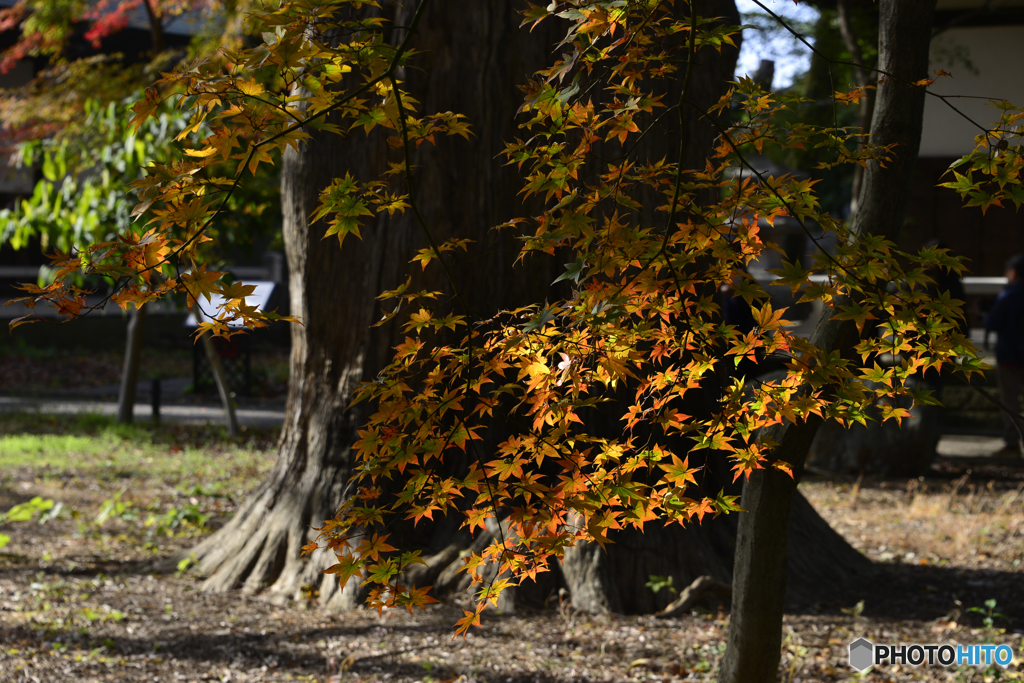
x=260, y=549
x=703, y=587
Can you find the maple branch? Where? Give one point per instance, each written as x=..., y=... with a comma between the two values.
x=372, y=83
x=413, y=205
x=691, y=60
x=410, y=182
x=789, y=208
x=803, y=226
x=683, y=140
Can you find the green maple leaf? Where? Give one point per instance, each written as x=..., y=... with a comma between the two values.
x=680, y=472
x=541, y=319
x=371, y=118
x=726, y=504
x=381, y=572
x=345, y=569
x=343, y=226
x=573, y=271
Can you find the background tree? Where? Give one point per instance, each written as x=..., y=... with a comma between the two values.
x=83, y=197
x=50, y=108
x=81, y=51
x=845, y=57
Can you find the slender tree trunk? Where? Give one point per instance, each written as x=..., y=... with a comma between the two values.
x=217, y=370
x=130, y=372
x=136, y=324
x=755, y=628
x=864, y=79
x=156, y=27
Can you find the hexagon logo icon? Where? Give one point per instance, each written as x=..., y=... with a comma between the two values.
x=862, y=654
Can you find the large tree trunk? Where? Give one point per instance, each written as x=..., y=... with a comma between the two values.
x=755, y=628
x=473, y=56
x=332, y=352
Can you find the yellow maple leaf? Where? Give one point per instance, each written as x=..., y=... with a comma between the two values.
x=200, y=282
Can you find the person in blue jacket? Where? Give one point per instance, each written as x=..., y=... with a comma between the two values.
x=1007, y=319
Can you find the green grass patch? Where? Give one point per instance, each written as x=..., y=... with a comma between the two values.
x=95, y=446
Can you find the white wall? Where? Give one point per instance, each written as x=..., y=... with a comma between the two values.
x=985, y=62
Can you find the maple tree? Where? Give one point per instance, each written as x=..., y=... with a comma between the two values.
x=633, y=321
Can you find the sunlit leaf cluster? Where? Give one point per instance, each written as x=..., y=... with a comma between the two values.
x=990, y=175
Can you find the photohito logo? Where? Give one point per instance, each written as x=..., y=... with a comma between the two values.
x=864, y=653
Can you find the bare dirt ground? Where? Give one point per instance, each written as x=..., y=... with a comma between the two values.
x=79, y=600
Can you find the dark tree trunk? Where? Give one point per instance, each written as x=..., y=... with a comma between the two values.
x=473, y=55
x=886, y=450
x=755, y=628
x=864, y=79
x=156, y=27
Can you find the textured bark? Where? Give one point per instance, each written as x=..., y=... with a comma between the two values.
x=755, y=628
x=473, y=56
